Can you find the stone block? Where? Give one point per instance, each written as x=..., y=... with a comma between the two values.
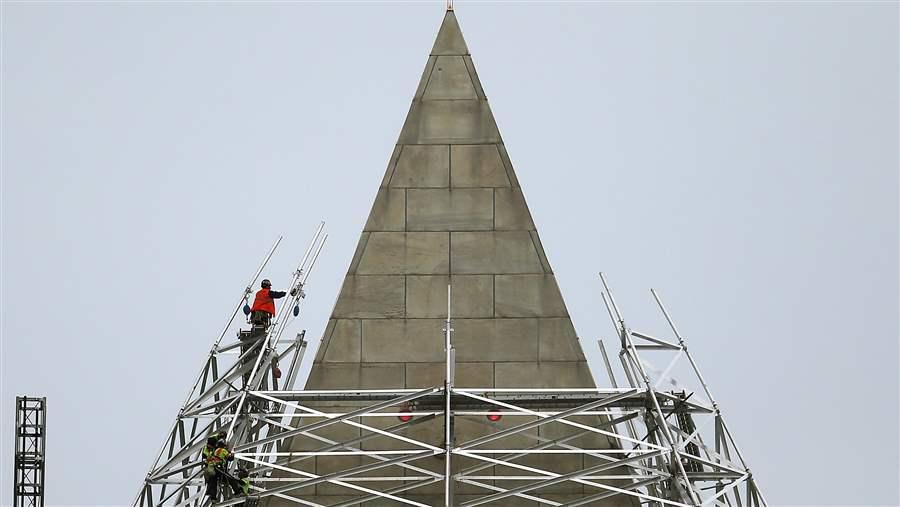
x=507, y=163
x=496, y=339
x=317, y=440
x=511, y=212
x=426, y=73
x=371, y=297
x=449, y=40
x=337, y=432
x=357, y=254
x=449, y=122
x=405, y=253
x=422, y=375
x=528, y=296
x=470, y=427
x=391, y=471
x=356, y=376
x=543, y=375
x=326, y=465
x=463, y=209
x=426, y=296
x=493, y=252
x=478, y=426
x=457, y=465
x=558, y=341
x=380, y=442
x=472, y=296
x=540, y=250
x=309, y=467
x=477, y=165
x=388, y=212
x=323, y=343
x=479, y=90
x=401, y=340
x=556, y=463
x=432, y=432
x=306, y=443
x=449, y=79
x=343, y=344
x=392, y=165
x=614, y=501
x=422, y=167
x=579, y=437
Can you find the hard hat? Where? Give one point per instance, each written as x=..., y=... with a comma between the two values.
x=212, y=440
x=266, y=284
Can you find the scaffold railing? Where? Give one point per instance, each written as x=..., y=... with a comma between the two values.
x=653, y=441
x=218, y=402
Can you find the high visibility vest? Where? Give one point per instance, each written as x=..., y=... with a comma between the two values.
x=263, y=302
x=209, y=456
x=222, y=454
x=245, y=485
x=215, y=458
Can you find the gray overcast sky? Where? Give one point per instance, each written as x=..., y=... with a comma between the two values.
x=741, y=158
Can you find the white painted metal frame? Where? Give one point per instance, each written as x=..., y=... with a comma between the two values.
x=701, y=475
x=218, y=400
x=655, y=449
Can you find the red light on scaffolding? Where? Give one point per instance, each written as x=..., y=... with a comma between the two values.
x=494, y=416
x=405, y=417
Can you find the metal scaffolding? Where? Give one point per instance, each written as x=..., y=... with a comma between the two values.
x=220, y=401
x=704, y=464
x=30, y=460
x=660, y=447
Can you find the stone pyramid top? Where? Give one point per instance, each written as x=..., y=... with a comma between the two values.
x=449, y=40
x=449, y=210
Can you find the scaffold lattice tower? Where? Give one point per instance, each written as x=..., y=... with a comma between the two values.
x=29, y=462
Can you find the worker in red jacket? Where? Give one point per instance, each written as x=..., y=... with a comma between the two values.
x=263, y=308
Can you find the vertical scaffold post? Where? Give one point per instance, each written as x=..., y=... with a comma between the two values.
x=29, y=462
x=448, y=419
x=630, y=351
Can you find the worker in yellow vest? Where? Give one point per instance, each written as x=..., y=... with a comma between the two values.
x=244, y=477
x=216, y=458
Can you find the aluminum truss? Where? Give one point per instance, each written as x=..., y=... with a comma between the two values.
x=703, y=460
x=654, y=446
x=220, y=400
x=29, y=461
x=640, y=441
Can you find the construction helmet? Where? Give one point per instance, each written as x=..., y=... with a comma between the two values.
x=266, y=284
